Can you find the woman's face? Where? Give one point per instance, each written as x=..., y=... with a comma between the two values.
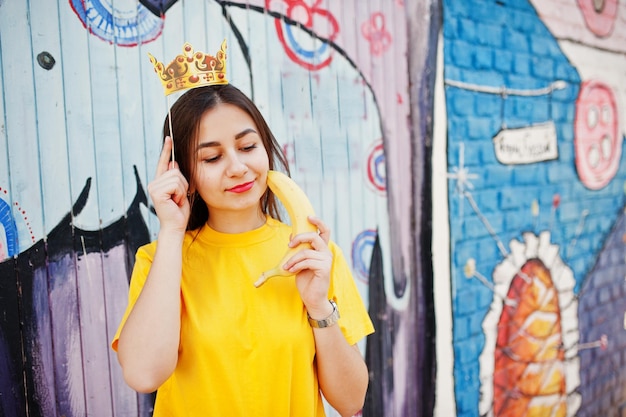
x=231, y=162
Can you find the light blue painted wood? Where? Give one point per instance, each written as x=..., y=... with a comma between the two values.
x=81, y=146
x=20, y=123
x=50, y=114
x=8, y=230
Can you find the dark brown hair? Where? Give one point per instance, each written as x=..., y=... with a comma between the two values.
x=186, y=114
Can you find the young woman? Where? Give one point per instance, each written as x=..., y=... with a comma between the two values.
x=196, y=329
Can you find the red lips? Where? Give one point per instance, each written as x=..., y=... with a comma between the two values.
x=241, y=188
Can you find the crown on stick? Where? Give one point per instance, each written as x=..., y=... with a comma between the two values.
x=192, y=69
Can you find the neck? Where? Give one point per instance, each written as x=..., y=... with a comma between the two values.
x=229, y=222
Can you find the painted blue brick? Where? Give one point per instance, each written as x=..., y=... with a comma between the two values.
x=503, y=60
x=524, y=22
x=540, y=110
x=543, y=67
x=567, y=95
x=465, y=351
x=472, y=153
x=450, y=29
x=486, y=300
x=474, y=228
x=513, y=198
x=462, y=54
x=480, y=127
x=515, y=41
x=466, y=301
x=452, y=8
x=540, y=45
x=565, y=136
x=565, y=72
x=450, y=72
x=488, y=105
x=487, y=154
x=534, y=174
x=564, y=113
x=560, y=173
x=461, y=328
x=546, y=196
x=533, y=109
x=489, y=78
x=489, y=34
x=483, y=11
x=461, y=103
x=483, y=57
x=488, y=200
x=496, y=175
x=521, y=63
x=461, y=147
x=523, y=82
x=487, y=248
x=467, y=30
x=476, y=326
x=513, y=222
x=467, y=402
x=463, y=251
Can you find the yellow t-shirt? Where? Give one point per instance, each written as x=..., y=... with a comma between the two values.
x=245, y=350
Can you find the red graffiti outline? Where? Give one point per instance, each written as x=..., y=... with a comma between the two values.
x=311, y=10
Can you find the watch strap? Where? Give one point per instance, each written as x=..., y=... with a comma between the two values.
x=332, y=319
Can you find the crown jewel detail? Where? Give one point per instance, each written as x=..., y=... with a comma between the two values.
x=192, y=69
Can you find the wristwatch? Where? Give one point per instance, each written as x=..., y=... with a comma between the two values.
x=328, y=321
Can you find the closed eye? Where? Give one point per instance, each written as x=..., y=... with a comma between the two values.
x=213, y=159
x=249, y=148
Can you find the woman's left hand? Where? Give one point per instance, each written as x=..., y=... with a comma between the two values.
x=312, y=268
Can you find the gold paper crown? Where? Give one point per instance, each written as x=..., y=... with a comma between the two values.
x=192, y=69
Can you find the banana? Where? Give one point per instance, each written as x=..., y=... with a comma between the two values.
x=298, y=208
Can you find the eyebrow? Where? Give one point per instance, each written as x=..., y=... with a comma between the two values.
x=215, y=143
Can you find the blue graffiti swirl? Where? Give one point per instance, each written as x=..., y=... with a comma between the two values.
x=10, y=229
x=124, y=28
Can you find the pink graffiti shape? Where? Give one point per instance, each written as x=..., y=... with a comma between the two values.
x=599, y=15
x=307, y=16
x=597, y=142
x=376, y=34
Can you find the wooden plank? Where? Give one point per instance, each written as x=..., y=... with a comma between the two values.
x=12, y=387
x=20, y=121
x=36, y=335
x=49, y=108
x=70, y=389
x=116, y=296
x=95, y=346
x=79, y=114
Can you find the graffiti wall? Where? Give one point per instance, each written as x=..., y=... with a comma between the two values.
x=468, y=156
x=79, y=140
x=531, y=316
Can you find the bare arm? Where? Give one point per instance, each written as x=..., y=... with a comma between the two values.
x=148, y=343
x=341, y=370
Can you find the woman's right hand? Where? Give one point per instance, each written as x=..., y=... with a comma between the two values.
x=168, y=192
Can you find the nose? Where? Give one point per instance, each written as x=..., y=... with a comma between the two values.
x=236, y=167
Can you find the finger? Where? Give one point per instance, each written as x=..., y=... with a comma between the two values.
x=324, y=231
x=164, y=158
x=314, y=239
x=312, y=260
